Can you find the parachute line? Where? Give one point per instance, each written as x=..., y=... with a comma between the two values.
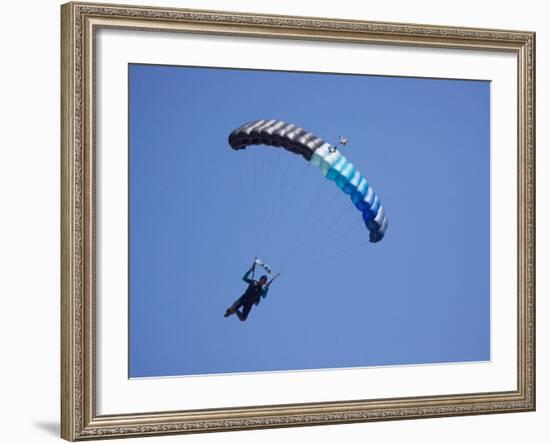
x=284, y=201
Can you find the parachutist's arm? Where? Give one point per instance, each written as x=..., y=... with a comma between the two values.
x=266, y=288
x=271, y=281
x=246, y=277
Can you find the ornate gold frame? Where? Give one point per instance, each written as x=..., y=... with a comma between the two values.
x=79, y=21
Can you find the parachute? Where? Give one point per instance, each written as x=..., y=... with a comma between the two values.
x=333, y=165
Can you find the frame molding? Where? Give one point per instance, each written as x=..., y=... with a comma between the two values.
x=79, y=21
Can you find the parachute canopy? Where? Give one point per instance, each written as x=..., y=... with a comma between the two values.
x=333, y=165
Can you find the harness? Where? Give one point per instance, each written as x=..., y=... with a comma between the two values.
x=254, y=291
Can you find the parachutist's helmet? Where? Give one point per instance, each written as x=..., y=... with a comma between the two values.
x=263, y=279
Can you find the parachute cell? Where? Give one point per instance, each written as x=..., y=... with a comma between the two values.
x=327, y=158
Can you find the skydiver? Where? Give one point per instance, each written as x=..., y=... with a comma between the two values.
x=257, y=289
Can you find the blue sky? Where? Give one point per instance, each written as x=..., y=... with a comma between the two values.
x=200, y=211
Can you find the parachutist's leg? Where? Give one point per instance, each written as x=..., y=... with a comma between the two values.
x=234, y=307
x=240, y=315
x=229, y=311
x=246, y=310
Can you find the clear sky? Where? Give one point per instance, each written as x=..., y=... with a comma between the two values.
x=200, y=211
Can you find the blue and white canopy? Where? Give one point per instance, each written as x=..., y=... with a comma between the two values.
x=333, y=165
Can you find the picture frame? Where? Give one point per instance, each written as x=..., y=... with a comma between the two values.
x=80, y=178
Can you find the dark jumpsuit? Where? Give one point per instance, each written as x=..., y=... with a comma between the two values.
x=252, y=296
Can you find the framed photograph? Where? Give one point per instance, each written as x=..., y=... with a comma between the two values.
x=277, y=221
